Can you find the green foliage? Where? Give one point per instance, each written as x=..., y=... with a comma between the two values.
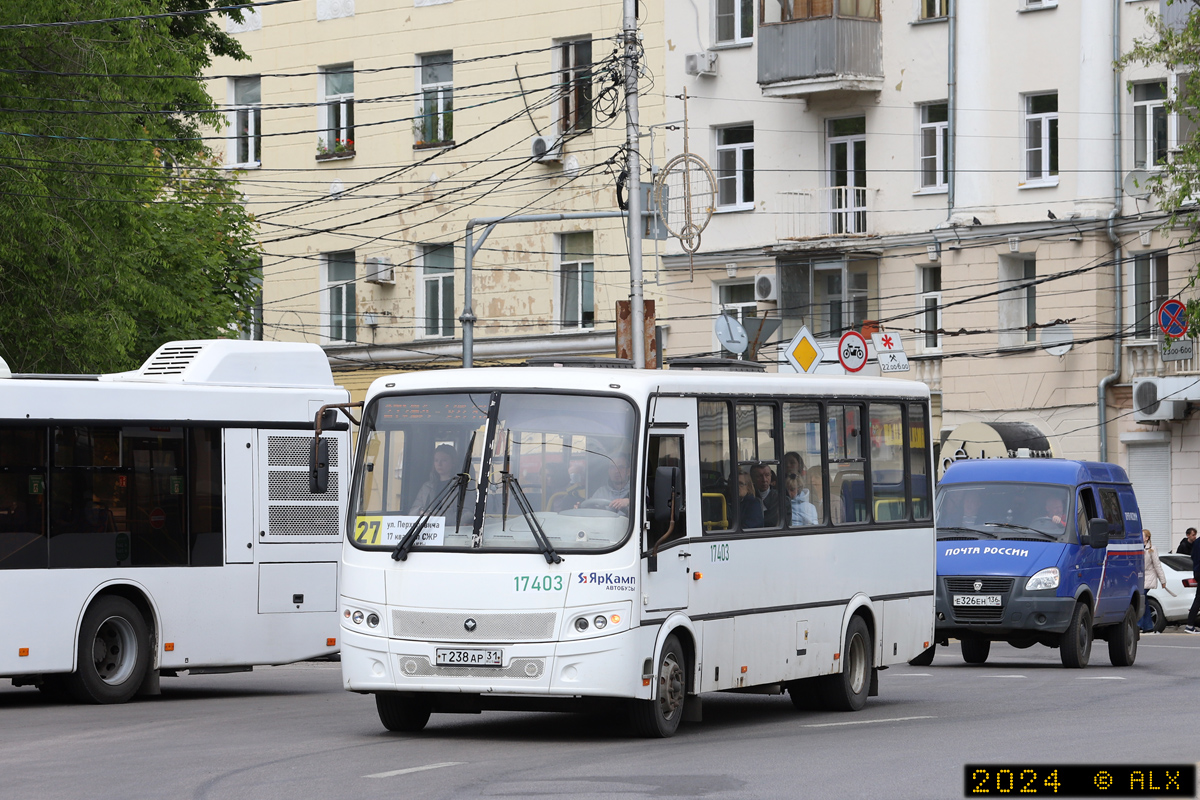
x=117, y=230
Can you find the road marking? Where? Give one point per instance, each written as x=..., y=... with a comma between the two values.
x=913, y=675
x=1101, y=678
x=862, y=722
x=1169, y=646
x=393, y=773
x=1003, y=676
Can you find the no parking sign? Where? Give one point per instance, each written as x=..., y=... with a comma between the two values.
x=1171, y=319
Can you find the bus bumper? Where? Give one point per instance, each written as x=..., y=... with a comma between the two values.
x=1021, y=615
x=604, y=666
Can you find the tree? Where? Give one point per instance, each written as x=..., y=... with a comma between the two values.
x=117, y=229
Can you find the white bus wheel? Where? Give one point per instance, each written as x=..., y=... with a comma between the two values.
x=401, y=714
x=113, y=655
x=659, y=718
x=848, y=689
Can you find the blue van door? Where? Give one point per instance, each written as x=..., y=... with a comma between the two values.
x=1124, y=565
x=1088, y=561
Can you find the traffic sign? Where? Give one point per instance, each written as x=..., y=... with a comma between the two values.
x=1177, y=349
x=889, y=352
x=1172, y=319
x=803, y=352
x=852, y=351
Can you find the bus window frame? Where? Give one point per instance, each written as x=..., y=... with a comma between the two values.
x=636, y=444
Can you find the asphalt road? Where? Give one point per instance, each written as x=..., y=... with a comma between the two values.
x=291, y=732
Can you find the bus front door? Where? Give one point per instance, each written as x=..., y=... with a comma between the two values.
x=665, y=549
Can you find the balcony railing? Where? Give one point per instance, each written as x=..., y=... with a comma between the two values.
x=1141, y=360
x=827, y=211
x=803, y=57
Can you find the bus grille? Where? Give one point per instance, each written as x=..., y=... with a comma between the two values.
x=500, y=627
x=419, y=667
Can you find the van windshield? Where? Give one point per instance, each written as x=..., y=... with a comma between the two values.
x=1004, y=511
x=554, y=468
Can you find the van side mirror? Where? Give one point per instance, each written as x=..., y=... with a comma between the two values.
x=318, y=466
x=668, y=500
x=1097, y=533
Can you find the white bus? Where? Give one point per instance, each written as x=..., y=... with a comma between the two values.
x=643, y=536
x=160, y=521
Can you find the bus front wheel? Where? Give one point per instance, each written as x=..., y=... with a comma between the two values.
x=659, y=717
x=114, y=652
x=847, y=690
x=403, y=714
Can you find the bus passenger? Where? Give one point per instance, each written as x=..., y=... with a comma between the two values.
x=444, y=459
x=761, y=475
x=616, y=491
x=816, y=496
x=793, y=463
x=750, y=508
x=802, y=511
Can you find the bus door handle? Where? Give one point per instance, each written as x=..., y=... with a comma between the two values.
x=685, y=555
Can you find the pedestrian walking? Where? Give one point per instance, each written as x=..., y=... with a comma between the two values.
x=1154, y=577
x=1191, y=620
x=1185, y=544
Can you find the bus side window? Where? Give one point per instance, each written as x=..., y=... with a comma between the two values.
x=757, y=453
x=664, y=451
x=802, y=459
x=888, y=495
x=847, y=484
x=918, y=462
x=718, y=483
x=23, y=498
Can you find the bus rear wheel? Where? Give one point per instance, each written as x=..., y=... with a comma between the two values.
x=113, y=654
x=401, y=714
x=659, y=717
x=847, y=690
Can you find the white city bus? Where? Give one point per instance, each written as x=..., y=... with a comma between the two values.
x=160, y=520
x=627, y=544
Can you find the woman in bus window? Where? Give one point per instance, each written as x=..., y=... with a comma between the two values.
x=803, y=512
x=750, y=508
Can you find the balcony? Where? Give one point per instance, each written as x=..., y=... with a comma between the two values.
x=827, y=211
x=799, y=58
x=1140, y=359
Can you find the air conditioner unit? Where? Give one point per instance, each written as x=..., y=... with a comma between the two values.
x=1156, y=399
x=546, y=149
x=379, y=269
x=766, y=287
x=700, y=64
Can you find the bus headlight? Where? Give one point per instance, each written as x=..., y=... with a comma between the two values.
x=581, y=624
x=372, y=620
x=357, y=618
x=600, y=622
x=1044, y=579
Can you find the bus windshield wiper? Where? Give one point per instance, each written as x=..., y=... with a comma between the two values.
x=1026, y=528
x=460, y=482
x=518, y=494
x=941, y=528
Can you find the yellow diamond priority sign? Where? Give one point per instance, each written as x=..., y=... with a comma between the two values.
x=803, y=352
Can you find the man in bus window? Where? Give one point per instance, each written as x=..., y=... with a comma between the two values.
x=616, y=491
x=761, y=473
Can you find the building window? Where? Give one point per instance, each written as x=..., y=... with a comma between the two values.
x=847, y=202
x=437, y=289
x=931, y=305
x=245, y=147
x=1149, y=125
x=935, y=141
x=735, y=167
x=339, y=278
x=934, y=9
x=436, y=125
x=737, y=301
x=862, y=9
x=1187, y=116
x=1149, y=292
x=1041, y=137
x=577, y=297
x=575, y=85
x=338, y=110
x=1018, y=304
x=830, y=296
x=735, y=21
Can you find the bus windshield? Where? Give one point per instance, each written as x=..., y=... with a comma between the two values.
x=1003, y=511
x=560, y=462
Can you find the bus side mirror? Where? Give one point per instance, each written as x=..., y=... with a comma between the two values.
x=318, y=466
x=668, y=500
x=1097, y=533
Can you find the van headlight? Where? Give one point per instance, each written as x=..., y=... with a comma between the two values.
x=1044, y=579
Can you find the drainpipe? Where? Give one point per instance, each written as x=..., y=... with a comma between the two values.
x=1118, y=196
x=951, y=103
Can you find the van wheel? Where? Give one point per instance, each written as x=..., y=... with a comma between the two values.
x=975, y=651
x=925, y=658
x=1123, y=641
x=1075, y=643
x=402, y=714
x=1157, y=617
x=847, y=690
x=113, y=653
x=659, y=718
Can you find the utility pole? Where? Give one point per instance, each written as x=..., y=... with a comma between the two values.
x=633, y=166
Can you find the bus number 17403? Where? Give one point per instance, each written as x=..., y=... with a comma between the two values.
x=719, y=552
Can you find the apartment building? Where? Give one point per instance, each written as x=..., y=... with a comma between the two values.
x=955, y=176
x=369, y=134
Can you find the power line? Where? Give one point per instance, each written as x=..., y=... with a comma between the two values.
x=140, y=17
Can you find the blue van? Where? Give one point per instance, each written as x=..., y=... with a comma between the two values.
x=1038, y=551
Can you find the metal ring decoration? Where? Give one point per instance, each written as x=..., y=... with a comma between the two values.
x=696, y=203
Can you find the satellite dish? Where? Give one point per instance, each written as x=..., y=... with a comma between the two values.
x=1057, y=340
x=731, y=334
x=1137, y=184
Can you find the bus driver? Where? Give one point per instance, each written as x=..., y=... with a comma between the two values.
x=616, y=491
